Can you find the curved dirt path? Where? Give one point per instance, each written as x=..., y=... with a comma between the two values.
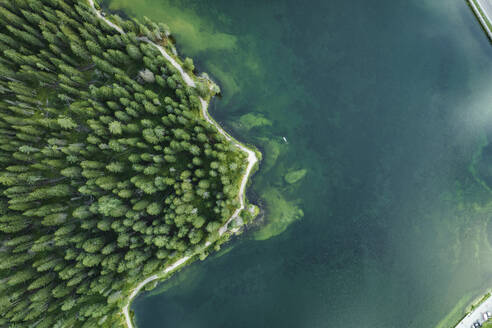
x=252, y=160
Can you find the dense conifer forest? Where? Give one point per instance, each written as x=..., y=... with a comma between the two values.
x=108, y=172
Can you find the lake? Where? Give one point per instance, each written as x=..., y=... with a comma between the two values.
x=386, y=106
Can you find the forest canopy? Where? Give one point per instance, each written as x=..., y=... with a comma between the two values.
x=108, y=172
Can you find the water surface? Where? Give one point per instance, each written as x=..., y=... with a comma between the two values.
x=388, y=106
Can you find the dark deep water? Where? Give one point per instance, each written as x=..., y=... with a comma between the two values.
x=388, y=106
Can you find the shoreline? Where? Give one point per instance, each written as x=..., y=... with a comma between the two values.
x=252, y=161
x=482, y=16
x=477, y=308
x=484, y=303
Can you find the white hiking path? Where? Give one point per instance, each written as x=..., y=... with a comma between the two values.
x=486, y=8
x=252, y=159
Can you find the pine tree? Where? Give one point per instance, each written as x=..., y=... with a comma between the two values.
x=107, y=172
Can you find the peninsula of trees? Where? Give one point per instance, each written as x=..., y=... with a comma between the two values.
x=108, y=171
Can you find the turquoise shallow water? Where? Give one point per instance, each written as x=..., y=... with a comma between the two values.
x=387, y=105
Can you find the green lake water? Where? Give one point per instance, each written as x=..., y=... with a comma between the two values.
x=387, y=105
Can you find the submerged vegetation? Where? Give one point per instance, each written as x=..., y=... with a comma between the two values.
x=281, y=214
x=230, y=52
x=108, y=171
x=295, y=176
x=281, y=202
